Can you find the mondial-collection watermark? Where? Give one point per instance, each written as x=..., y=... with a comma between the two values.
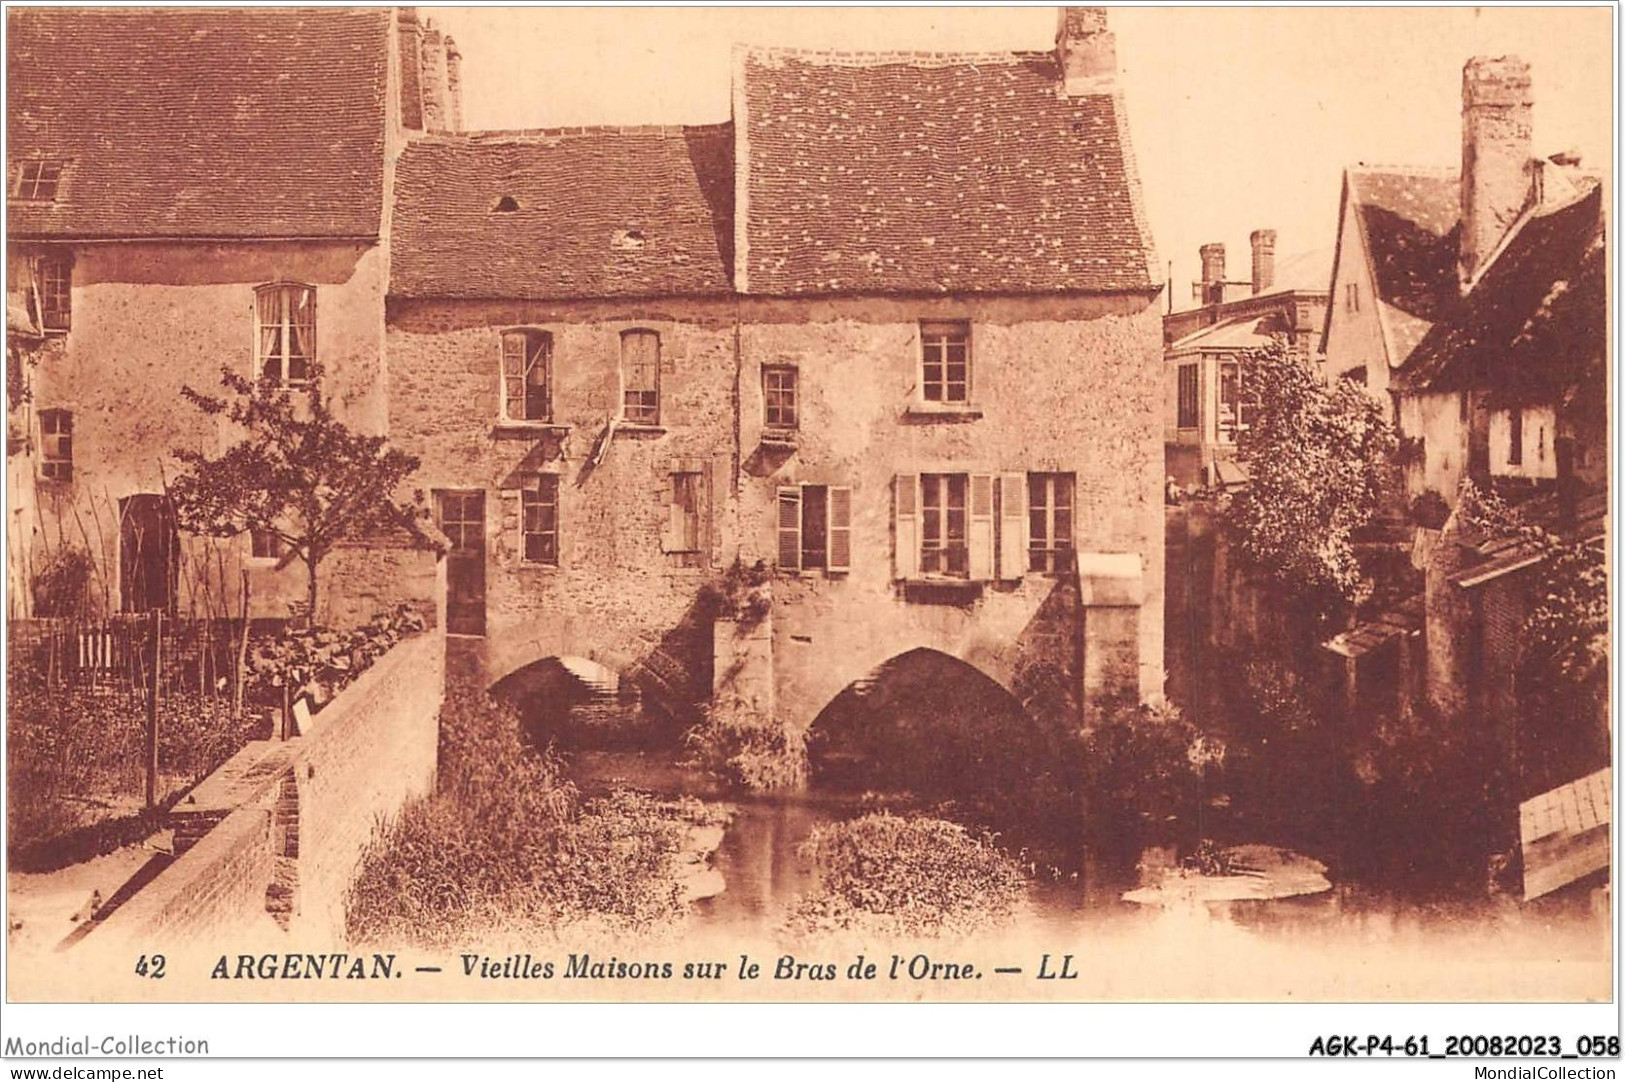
x=1542, y=1073
x=129, y=1045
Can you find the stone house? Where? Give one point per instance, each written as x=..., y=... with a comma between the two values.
x=1206, y=406
x=188, y=190
x=1485, y=323
x=889, y=332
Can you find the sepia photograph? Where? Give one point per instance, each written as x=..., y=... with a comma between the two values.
x=861, y=505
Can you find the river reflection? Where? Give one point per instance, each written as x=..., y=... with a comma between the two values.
x=764, y=869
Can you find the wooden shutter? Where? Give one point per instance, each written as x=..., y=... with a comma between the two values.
x=790, y=527
x=980, y=526
x=840, y=528
x=1012, y=525
x=676, y=524
x=906, y=526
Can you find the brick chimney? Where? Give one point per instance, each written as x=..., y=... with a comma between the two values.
x=410, y=35
x=1212, y=273
x=1497, y=111
x=1263, y=259
x=434, y=78
x=454, y=86
x=1086, y=52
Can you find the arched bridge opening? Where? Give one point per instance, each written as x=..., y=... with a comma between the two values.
x=576, y=702
x=940, y=730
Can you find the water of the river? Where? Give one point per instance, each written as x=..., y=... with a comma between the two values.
x=764, y=869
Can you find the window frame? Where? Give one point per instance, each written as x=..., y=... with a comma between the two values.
x=1351, y=296
x=835, y=538
x=56, y=444
x=1515, y=436
x=1188, y=396
x=52, y=280
x=37, y=182
x=686, y=535
x=793, y=375
x=274, y=544
x=534, y=501
x=942, y=335
x=1047, y=549
x=647, y=411
x=284, y=326
x=525, y=335
x=940, y=557
x=1241, y=419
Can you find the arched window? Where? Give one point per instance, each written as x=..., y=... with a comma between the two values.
x=527, y=375
x=285, y=333
x=640, y=377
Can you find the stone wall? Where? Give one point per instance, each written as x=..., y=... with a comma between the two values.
x=304, y=813
x=1062, y=385
x=616, y=596
x=149, y=319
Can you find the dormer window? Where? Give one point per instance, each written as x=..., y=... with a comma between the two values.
x=527, y=376
x=285, y=345
x=506, y=205
x=38, y=181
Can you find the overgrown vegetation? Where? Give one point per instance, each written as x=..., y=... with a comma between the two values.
x=76, y=755
x=1143, y=770
x=1562, y=669
x=884, y=875
x=61, y=584
x=1319, y=455
x=747, y=748
x=507, y=847
x=320, y=661
x=298, y=473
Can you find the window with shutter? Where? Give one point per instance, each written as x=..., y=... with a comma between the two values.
x=906, y=525
x=980, y=528
x=1012, y=525
x=790, y=527
x=840, y=528
x=684, y=530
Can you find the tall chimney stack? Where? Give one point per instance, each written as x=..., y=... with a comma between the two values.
x=1497, y=112
x=1263, y=259
x=411, y=67
x=1212, y=273
x=433, y=52
x=454, y=86
x=1086, y=52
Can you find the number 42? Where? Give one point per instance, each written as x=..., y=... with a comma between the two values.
x=152, y=966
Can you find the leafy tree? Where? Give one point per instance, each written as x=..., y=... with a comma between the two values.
x=1319, y=457
x=298, y=472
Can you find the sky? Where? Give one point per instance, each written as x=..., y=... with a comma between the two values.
x=1241, y=118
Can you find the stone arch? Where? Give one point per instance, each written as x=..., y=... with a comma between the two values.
x=935, y=725
x=517, y=647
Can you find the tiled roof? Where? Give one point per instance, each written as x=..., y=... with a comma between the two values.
x=1535, y=318
x=933, y=173
x=1411, y=223
x=598, y=212
x=1496, y=555
x=246, y=122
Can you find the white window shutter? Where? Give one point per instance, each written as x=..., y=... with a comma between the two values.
x=840, y=528
x=980, y=526
x=1012, y=525
x=906, y=526
x=790, y=527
